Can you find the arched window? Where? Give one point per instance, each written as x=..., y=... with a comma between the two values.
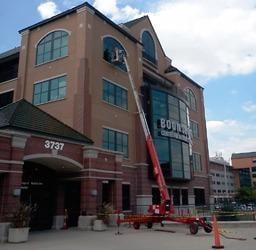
x=149, y=52
x=191, y=99
x=51, y=47
x=109, y=46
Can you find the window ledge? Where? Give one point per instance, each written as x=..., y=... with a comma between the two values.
x=116, y=106
x=7, y=81
x=54, y=60
x=154, y=65
x=113, y=66
x=39, y=104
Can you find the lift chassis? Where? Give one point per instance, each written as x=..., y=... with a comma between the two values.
x=165, y=210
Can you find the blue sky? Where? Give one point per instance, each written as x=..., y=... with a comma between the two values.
x=213, y=41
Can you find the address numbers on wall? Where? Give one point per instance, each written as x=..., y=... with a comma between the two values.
x=53, y=145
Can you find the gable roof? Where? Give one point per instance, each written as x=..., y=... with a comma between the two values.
x=24, y=116
x=129, y=24
x=73, y=10
x=138, y=20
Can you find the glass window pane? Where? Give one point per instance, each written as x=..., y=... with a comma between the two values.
x=64, y=41
x=39, y=59
x=54, y=94
x=47, y=47
x=62, y=92
x=36, y=99
x=44, y=97
x=62, y=81
x=56, y=43
x=57, y=34
x=64, y=51
x=47, y=38
x=54, y=83
x=40, y=49
x=37, y=88
x=47, y=57
x=56, y=53
x=45, y=86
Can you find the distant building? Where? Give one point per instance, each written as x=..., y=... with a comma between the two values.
x=246, y=163
x=222, y=179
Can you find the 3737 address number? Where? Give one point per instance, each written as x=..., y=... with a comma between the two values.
x=54, y=145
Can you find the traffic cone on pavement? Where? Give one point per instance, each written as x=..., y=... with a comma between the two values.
x=216, y=233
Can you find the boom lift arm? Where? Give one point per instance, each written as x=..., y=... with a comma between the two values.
x=165, y=206
x=164, y=210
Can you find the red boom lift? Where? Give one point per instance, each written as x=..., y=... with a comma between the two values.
x=164, y=211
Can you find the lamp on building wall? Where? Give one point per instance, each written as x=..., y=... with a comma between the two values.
x=94, y=192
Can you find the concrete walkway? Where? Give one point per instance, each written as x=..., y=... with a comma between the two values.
x=143, y=239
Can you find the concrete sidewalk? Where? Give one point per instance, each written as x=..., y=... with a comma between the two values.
x=143, y=239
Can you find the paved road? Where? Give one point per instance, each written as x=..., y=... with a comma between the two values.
x=143, y=239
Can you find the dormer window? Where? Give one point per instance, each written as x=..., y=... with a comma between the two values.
x=149, y=51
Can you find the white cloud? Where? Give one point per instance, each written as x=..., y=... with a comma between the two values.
x=230, y=136
x=249, y=107
x=47, y=9
x=116, y=13
x=204, y=38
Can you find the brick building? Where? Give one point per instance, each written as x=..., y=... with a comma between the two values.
x=223, y=180
x=246, y=165
x=71, y=133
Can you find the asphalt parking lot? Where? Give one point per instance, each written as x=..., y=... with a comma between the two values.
x=148, y=239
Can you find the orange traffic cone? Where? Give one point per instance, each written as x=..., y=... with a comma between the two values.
x=216, y=233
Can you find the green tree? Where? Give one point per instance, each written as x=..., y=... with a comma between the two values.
x=246, y=195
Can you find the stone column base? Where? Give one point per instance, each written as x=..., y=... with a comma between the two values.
x=4, y=227
x=86, y=222
x=58, y=222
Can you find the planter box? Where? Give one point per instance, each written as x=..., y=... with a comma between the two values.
x=4, y=227
x=99, y=225
x=86, y=222
x=17, y=235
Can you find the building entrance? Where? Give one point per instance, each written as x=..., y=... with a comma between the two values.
x=107, y=192
x=72, y=202
x=38, y=189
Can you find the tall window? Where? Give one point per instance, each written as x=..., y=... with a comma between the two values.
x=197, y=162
x=126, y=200
x=173, y=153
x=195, y=129
x=53, y=46
x=50, y=90
x=116, y=141
x=114, y=94
x=109, y=47
x=149, y=52
x=6, y=98
x=191, y=99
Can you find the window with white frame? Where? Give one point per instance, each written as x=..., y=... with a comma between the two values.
x=197, y=162
x=50, y=90
x=53, y=46
x=115, y=140
x=194, y=129
x=114, y=94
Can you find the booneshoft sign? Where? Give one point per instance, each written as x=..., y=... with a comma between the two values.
x=174, y=130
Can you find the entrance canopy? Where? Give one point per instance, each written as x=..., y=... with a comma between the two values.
x=25, y=117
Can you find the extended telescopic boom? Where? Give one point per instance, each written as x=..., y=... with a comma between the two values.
x=165, y=206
